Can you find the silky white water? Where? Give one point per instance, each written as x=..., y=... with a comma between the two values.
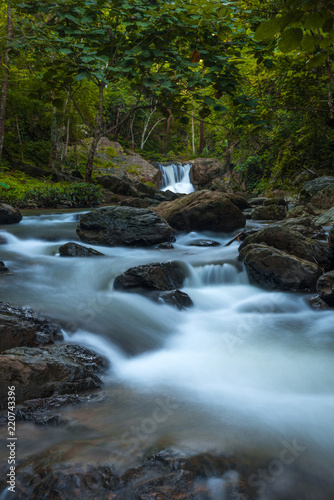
x=244, y=369
x=176, y=178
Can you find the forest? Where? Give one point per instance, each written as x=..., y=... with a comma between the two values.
x=248, y=82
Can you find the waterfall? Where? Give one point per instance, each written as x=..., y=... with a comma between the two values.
x=215, y=274
x=176, y=178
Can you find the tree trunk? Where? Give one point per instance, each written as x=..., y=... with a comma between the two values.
x=19, y=137
x=54, y=141
x=98, y=133
x=3, y=100
x=201, y=136
x=193, y=132
x=167, y=131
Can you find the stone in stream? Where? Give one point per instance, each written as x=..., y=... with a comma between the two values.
x=23, y=327
x=274, y=269
x=75, y=250
x=202, y=211
x=293, y=243
x=175, y=298
x=204, y=243
x=45, y=371
x=124, y=226
x=162, y=277
x=3, y=268
x=9, y=214
x=269, y=212
x=325, y=288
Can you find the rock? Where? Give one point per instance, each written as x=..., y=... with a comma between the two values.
x=9, y=215
x=166, y=276
x=175, y=298
x=238, y=201
x=326, y=219
x=3, y=268
x=269, y=212
x=293, y=243
x=202, y=210
x=3, y=240
x=298, y=211
x=166, y=246
x=317, y=303
x=42, y=372
x=125, y=186
x=135, y=202
x=307, y=226
x=205, y=170
x=76, y=250
x=319, y=193
x=331, y=238
x=204, y=243
x=273, y=269
x=275, y=201
x=325, y=288
x=124, y=226
x=23, y=327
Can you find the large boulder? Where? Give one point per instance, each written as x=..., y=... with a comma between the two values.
x=75, y=250
x=23, y=327
x=293, y=243
x=205, y=170
x=327, y=218
x=202, y=211
x=124, y=226
x=166, y=276
x=273, y=269
x=307, y=226
x=42, y=372
x=325, y=288
x=9, y=215
x=269, y=212
x=319, y=193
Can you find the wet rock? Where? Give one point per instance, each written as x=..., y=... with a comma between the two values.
x=204, y=243
x=317, y=303
x=3, y=240
x=9, y=215
x=202, y=210
x=325, y=288
x=326, y=219
x=319, y=193
x=124, y=226
x=175, y=298
x=293, y=243
x=166, y=276
x=166, y=246
x=23, y=327
x=43, y=372
x=269, y=212
x=307, y=226
x=3, y=268
x=274, y=269
x=76, y=250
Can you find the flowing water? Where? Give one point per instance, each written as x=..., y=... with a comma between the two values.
x=243, y=371
x=176, y=178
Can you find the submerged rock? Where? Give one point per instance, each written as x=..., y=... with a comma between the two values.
x=76, y=250
x=274, y=269
x=23, y=327
x=9, y=214
x=293, y=243
x=176, y=298
x=124, y=226
x=42, y=372
x=204, y=243
x=166, y=276
x=3, y=268
x=202, y=210
x=325, y=288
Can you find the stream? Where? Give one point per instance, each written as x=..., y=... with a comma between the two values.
x=245, y=371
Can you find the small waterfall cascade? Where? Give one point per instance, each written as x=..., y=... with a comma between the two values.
x=216, y=274
x=176, y=178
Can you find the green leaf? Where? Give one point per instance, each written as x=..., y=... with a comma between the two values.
x=209, y=101
x=219, y=108
x=82, y=76
x=268, y=29
x=185, y=120
x=66, y=51
x=309, y=43
x=290, y=39
x=314, y=21
x=317, y=60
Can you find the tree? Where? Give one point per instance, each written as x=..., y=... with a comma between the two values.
x=5, y=77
